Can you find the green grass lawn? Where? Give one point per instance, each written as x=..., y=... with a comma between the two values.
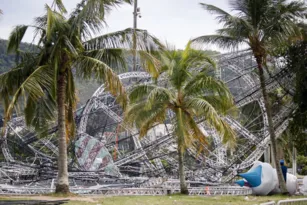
x=162, y=200
x=182, y=200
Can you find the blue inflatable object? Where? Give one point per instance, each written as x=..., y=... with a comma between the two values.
x=240, y=182
x=253, y=176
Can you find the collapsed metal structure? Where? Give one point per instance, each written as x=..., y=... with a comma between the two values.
x=107, y=155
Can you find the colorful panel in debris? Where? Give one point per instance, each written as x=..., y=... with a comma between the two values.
x=93, y=156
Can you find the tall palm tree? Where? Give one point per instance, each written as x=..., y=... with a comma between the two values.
x=261, y=25
x=191, y=94
x=45, y=76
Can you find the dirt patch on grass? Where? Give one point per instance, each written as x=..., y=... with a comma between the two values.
x=91, y=199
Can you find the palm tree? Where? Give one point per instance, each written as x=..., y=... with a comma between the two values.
x=261, y=25
x=191, y=94
x=45, y=76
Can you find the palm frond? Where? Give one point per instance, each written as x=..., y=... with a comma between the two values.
x=15, y=38
x=194, y=59
x=40, y=113
x=59, y=4
x=150, y=63
x=135, y=114
x=150, y=118
x=144, y=119
x=239, y=29
x=179, y=77
x=124, y=39
x=286, y=15
x=254, y=10
x=34, y=87
x=140, y=92
x=158, y=95
x=12, y=79
x=222, y=104
x=186, y=94
x=256, y=22
x=196, y=136
x=88, y=67
x=55, y=23
x=222, y=16
x=229, y=136
x=297, y=9
x=89, y=16
x=169, y=60
x=203, y=84
x=113, y=57
x=222, y=41
x=204, y=109
x=9, y=84
x=61, y=45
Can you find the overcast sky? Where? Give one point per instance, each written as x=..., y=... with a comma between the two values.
x=174, y=21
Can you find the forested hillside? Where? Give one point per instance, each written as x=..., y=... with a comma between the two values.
x=85, y=89
x=7, y=61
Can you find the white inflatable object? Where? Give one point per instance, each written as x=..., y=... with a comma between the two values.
x=291, y=183
x=262, y=178
x=304, y=188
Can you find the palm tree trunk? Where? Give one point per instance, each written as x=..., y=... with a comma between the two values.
x=62, y=184
x=183, y=185
x=281, y=180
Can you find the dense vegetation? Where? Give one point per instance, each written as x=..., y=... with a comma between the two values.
x=8, y=61
x=85, y=88
x=296, y=60
x=251, y=25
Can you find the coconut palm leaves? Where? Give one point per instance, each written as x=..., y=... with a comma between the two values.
x=263, y=25
x=88, y=16
x=186, y=90
x=25, y=84
x=99, y=57
x=264, y=22
x=61, y=52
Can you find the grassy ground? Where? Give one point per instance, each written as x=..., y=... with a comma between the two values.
x=160, y=200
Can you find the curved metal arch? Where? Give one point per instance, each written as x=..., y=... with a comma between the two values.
x=215, y=166
x=94, y=102
x=100, y=91
x=221, y=152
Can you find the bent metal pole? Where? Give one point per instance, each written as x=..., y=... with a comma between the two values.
x=135, y=15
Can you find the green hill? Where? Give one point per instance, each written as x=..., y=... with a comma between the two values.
x=85, y=89
x=7, y=61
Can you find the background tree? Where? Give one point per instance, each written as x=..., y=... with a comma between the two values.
x=45, y=77
x=261, y=25
x=191, y=93
x=295, y=59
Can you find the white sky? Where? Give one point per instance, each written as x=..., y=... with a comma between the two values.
x=174, y=21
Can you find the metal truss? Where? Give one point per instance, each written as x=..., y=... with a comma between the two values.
x=154, y=156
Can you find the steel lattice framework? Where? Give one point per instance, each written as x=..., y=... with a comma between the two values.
x=106, y=151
